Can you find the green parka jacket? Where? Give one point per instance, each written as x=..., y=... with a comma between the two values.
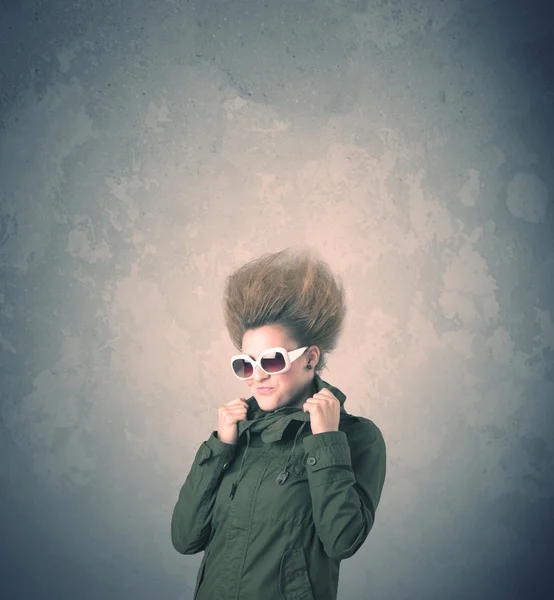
x=276, y=513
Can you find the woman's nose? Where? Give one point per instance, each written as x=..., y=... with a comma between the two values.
x=259, y=373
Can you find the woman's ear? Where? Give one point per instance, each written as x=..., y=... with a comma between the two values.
x=314, y=356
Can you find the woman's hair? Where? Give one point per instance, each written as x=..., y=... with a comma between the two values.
x=292, y=288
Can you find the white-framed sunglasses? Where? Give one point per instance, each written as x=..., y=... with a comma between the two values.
x=272, y=361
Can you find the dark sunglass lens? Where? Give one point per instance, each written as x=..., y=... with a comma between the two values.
x=242, y=368
x=273, y=364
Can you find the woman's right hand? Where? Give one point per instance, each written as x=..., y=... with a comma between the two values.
x=228, y=416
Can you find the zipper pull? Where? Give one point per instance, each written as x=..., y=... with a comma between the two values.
x=233, y=490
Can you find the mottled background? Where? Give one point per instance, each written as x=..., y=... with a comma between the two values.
x=147, y=149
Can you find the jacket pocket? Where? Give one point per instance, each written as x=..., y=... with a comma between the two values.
x=294, y=583
x=200, y=576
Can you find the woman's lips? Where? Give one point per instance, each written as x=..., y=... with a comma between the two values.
x=264, y=390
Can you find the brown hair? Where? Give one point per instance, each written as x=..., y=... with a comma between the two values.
x=293, y=288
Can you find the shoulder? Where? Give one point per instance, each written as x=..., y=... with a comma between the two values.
x=361, y=430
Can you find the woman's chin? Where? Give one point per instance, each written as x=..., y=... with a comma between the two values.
x=266, y=403
x=264, y=400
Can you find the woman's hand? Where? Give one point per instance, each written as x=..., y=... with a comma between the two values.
x=324, y=411
x=228, y=416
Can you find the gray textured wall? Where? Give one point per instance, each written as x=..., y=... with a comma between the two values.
x=148, y=149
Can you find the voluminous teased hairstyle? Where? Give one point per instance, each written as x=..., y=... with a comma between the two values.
x=292, y=288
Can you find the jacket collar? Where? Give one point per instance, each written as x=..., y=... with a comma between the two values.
x=272, y=424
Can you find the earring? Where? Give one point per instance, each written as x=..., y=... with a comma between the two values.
x=309, y=367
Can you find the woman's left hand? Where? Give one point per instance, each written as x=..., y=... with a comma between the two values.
x=324, y=409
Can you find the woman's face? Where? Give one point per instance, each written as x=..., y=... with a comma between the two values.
x=292, y=388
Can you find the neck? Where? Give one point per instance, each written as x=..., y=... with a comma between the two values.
x=303, y=394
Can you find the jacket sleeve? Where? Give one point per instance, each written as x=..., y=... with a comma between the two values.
x=192, y=515
x=346, y=481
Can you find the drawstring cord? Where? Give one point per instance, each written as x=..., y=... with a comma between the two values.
x=283, y=475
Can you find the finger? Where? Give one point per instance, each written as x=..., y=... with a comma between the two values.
x=235, y=415
x=237, y=410
x=234, y=402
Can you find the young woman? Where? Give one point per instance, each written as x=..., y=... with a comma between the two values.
x=288, y=485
